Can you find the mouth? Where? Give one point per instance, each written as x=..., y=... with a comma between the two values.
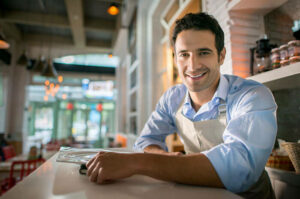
x=196, y=77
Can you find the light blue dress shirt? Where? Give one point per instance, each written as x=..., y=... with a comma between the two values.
x=249, y=135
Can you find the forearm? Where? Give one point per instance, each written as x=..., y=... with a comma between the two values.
x=193, y=169
x=154, y=149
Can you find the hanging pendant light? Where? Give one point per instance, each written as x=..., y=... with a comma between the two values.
x=22, y=59
x=49, y=70
x=39, y=64
x=113, y=9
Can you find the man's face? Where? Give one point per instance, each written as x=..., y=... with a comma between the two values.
x=197, y=59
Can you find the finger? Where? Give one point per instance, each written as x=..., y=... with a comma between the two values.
x=90, y=162
x=92, y=166
x=94, y=173
x=100, y=177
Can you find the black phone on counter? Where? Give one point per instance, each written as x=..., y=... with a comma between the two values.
x=83, y=169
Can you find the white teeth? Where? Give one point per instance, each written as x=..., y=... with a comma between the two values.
x=197, y=75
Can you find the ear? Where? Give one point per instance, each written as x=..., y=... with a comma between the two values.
x=222, y=56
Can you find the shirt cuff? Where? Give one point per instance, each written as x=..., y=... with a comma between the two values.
x=139, y=147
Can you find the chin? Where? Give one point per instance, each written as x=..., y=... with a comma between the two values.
x=198, y=87
x=195, y=89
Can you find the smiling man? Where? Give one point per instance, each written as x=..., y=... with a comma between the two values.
x=227, y=124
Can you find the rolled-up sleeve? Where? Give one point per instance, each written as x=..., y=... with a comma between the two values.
x=248, y=140
x=159, y=125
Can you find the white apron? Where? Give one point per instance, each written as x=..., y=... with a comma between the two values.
x=203, y=135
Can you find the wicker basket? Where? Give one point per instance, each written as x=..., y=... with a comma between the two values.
x=293, y=150
x=280, y=162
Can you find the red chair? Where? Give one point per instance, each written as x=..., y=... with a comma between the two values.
x=24, y=168
x=9, y=152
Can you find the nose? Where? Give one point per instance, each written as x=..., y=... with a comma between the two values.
x=192, y=62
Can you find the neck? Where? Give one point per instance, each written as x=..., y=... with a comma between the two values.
x=204, y=96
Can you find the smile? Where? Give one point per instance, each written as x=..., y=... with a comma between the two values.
x=196, y=77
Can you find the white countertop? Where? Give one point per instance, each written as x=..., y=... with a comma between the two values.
x=57, y=180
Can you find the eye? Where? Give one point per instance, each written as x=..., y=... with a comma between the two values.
x=203, y=53
x=183, y=55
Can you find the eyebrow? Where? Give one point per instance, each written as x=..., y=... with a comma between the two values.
x=199, y=49
x=204, y=49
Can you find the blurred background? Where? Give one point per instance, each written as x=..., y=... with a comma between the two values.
x=88, y=73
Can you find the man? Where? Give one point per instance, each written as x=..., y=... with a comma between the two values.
x=227, y=124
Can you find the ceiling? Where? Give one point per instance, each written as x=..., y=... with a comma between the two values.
x=56, y=28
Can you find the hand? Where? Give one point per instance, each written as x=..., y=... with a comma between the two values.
x=106, y=167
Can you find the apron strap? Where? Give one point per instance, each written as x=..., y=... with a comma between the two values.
x=222, y=111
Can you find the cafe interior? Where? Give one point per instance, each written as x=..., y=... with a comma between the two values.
x=87, y=74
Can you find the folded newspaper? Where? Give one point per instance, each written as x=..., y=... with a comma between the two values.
x=82, y=156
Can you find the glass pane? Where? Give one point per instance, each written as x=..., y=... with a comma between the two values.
x=44, y=118
x=64, y=124
x=79, y=125
x=93, y=125
x=43, y=124
x=42, y=134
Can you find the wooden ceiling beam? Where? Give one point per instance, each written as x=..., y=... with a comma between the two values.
x=56, y=21
x=94, y=24
x=61, y=45
x=76, y=19
x=30, y=18
x=11, y=31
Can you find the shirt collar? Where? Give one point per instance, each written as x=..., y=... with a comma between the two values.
x=222, y=90
x=220, y=94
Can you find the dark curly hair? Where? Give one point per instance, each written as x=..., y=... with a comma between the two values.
x=200, y=21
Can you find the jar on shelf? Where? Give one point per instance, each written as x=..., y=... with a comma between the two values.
x=294, y=51
x=284, y=55
x=275, y=58
x=263, y=63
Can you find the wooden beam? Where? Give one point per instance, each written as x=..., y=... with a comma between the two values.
x=76, y=19
x=56, y=21
x=11, y=31
x=112, y=1
x=118, y=26
x=55, y=46
x=99, y=43
x=54, y=40
x=30, y=18
x=94, y=24
x=34, y=51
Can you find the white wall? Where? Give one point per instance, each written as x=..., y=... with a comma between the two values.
x=218, y=8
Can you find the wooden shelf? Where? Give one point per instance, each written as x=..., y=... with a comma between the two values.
x=255, y=6
x=287, y=77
